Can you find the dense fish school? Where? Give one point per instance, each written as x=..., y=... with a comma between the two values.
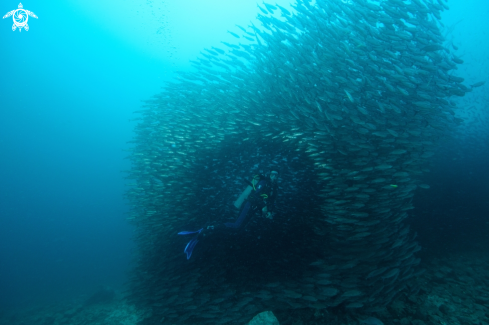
x=349, y=99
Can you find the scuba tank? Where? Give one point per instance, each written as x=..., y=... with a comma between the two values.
x=246, y=191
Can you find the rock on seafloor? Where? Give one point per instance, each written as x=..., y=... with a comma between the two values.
x=264, y=318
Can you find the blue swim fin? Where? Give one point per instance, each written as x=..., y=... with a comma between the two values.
x=191, y=244
x=190, y=247
x=190, y=232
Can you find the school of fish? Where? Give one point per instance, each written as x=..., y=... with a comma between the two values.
x=349, y=100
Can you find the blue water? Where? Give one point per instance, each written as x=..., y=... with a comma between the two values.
x=68, y=89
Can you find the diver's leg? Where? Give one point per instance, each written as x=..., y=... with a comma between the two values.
x=244, y=216
x=247, y=210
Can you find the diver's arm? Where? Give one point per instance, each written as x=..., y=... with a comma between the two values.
x=271, y=199
x=267, y=211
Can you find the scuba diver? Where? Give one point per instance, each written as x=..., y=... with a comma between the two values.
x=258, y=197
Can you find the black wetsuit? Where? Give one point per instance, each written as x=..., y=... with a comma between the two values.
x=263, y=195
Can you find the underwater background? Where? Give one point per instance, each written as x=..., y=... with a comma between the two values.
x=69, y=87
